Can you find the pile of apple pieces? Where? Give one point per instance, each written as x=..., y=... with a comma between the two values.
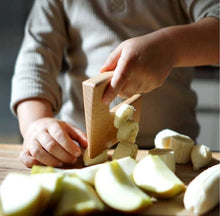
x=127, y=130
x=121, y=184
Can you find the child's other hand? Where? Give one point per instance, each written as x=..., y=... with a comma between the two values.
x=140, y=65
x=51, y=142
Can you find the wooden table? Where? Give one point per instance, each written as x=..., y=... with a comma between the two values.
x=9, y=162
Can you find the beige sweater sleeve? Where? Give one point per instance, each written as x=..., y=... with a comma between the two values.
x=198, y=9
x=40, y=57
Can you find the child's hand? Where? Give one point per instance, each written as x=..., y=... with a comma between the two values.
x=51, y=142
x=140, y=65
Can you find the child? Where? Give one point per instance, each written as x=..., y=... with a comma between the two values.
x=154, y=45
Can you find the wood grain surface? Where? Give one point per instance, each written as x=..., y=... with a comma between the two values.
x=9, y=162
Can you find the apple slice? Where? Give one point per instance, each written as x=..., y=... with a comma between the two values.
x=118, y=191
x=153, y=175
x=125, y=149
x=20, y=195
x=97, y=160
x=166, y=155
x=77, y=197
x=52, y=184
x=87, y=174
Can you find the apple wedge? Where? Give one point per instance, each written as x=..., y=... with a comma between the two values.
x=118, y=191
x=87, y=174
x=97, y=160
x=125, y=149
x=21, y=195
x=52, y=184
x=166, y=155
x=77, y=198
x=153, y=175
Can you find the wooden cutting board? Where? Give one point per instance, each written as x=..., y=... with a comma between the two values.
x=9, y=162
x=100, y=130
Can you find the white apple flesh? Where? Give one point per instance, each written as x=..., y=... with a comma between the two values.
x=153, y=175
x=20, y=195
x=77, y=197
x=118, y=191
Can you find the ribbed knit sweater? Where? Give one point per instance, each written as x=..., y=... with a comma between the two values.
x=81, y=34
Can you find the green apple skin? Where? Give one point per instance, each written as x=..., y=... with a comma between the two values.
x=20, y=195
x=153, y=175
x=77, y=198
x=118, y=191
x=42, y=169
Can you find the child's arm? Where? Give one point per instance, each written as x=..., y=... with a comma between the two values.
x=47, y=140
x=143, y=63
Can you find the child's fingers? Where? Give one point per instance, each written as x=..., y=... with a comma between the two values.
x=77, y=135
x=54, y=148
x=112, y=61
x=26, y=158
x=57, y=131
x=120, y=76
x=41, y=155
x=130, y=88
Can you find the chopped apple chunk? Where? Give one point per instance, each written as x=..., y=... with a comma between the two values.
x=153, y=175
x=125, y=149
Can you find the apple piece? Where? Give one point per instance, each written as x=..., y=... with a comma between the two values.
x=182, y=146
x=152, y=175
x=99, y=159
x=87, y=174
x=52, y=184
x=162, y=138
x=122, y=114
x=128, y=131
x=78, y=198
x=166, y=155
x=118, y=191
x=202, y=193
x=125, y=149
x=42, y=169
x=201, y=155
x=20, y=195
x=127, y=164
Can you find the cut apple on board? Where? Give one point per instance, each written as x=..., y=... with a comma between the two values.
x=153, y=175
x=52, y=184
x=21, y=195
x=180, y=143
x=125, y=149
x=202, y=193
x=97, y=160
x=166, y=155
x=87, y=174
x=118, y=191
x=77, y=197
x=201, y=155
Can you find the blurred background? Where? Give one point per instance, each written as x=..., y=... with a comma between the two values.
x=13, y=15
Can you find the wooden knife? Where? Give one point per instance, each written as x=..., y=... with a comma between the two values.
x=101, y=133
